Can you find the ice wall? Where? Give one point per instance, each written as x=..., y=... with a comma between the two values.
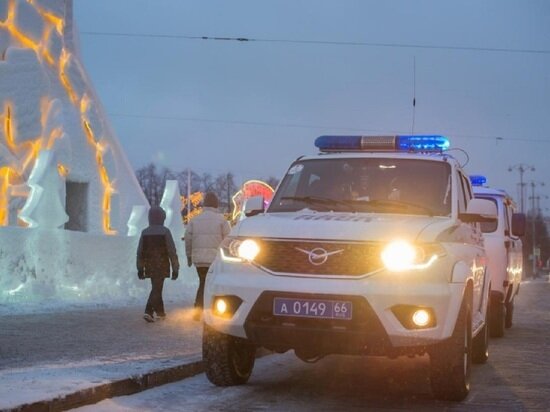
x=47, y=102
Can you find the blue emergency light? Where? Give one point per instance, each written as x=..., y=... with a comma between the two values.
x=401, y=143
x=478, y=180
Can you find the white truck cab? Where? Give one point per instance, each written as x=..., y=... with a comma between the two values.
x=371, y=247
x=505, y=254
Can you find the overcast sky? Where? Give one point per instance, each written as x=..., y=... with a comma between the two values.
x=253, y=107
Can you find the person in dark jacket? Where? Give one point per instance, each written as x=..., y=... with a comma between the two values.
x=156, y=253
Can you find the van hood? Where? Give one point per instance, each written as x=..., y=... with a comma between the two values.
x=343, y=226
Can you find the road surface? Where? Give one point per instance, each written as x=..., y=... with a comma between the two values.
x=516, y=378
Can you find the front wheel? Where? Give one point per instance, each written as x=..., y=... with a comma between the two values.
x=480, y=345
x=228, y=360
x=450, y=362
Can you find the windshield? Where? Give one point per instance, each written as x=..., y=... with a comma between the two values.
x=379, y=185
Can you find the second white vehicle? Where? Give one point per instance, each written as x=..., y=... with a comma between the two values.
x=505, y=254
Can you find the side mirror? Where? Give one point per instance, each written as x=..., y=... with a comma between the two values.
x=518, y=224
x=480, y=210
x=254, y=206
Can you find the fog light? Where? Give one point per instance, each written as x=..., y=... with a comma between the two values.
x=221, y=306
x=225, y=306
x=421, y=317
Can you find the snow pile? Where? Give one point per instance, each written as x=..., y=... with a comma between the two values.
x=47, y=269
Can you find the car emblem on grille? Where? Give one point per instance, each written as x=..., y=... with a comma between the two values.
x=318, y=255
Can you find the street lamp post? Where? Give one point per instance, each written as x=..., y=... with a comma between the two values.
x=522, y=168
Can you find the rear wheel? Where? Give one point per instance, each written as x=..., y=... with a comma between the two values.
x=228, y=360
x=497, y=318
x=509, y=314
x=450, y=362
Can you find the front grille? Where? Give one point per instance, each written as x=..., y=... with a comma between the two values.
x=326, y=258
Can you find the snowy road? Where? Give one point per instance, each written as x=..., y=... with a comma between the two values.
x=43, y=356
x=81, y=335
x=514, y=379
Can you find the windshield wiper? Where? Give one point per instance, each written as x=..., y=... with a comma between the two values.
x=320, y=199
x=399, y=204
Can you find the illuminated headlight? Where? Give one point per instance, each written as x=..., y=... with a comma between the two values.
x=399, y=256
x=239, y=250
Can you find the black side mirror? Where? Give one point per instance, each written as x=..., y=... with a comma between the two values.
x=518, y=224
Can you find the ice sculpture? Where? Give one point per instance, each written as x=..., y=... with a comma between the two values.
x=138, y=220
x=47, y=103
x=171, y=203
x=59, y=160
x=45, y=207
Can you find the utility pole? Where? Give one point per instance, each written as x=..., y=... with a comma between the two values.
x=522, y=168
x=533, y=227
x=538, y=198
x=188, y=193
x=228, y=194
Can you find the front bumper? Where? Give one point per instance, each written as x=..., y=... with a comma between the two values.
x=362, y=334
x=374, y=328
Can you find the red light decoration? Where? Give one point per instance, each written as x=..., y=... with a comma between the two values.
x=250, y=189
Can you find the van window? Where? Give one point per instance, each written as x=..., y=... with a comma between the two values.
x=490, y=227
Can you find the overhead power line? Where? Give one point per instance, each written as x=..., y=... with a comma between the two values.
x=311, y=126
x=318, y=42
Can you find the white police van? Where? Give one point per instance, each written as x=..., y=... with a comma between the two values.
x=505, y=254
x=372, y=247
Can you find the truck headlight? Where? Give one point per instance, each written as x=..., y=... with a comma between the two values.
x=400, y=255
x=239, y=250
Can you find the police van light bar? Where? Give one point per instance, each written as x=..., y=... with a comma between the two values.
x=402, y=143
x=478, y=180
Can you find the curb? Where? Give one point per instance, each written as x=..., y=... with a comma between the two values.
x=122, y=387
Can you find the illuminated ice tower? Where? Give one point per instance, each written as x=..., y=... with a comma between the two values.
x=48, y=104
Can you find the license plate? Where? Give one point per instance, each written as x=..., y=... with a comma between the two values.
x=312, y=308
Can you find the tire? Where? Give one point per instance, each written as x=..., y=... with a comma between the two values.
x=451, y=361
x=509, y=314
x=497, y=319
x=228, y=360
x=480, y=345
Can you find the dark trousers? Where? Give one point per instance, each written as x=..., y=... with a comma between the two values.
x=199, y=299
x=155, y=303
